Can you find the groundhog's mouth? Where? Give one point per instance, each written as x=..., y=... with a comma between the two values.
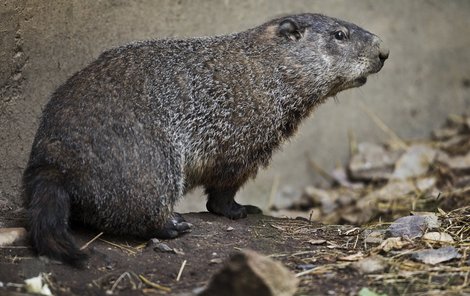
x=356, y=82
x=360, y=81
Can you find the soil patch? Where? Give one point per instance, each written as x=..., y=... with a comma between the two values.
x=116, y=263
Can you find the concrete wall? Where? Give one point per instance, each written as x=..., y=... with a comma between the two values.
x=44, y=42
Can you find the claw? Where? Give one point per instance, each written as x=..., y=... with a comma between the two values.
x=174, y=227
x=252, y=209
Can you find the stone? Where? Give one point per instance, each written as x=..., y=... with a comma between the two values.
x=441, y=237
x=250, y=273
x=37, y=285
x=390, y=191
x=414, y=162
x=325, y=198
x=10, y=236
x=374, y=236
x=435, y=256
x=372, y=162
x=410, y=226
x=458, y=164
x=161, y=247
x=286, y=198
x=373, y=264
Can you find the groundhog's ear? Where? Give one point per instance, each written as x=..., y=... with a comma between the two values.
x=290, y=29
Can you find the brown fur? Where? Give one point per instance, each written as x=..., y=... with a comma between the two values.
x=123, y=139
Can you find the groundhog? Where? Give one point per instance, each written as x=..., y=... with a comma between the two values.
x=121, y=141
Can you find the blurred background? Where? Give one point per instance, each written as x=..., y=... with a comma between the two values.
x=427, y=76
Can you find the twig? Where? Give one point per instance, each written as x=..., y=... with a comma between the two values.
x=320, y=170
x=307, y=271
x=118, y=246
x=324, y=268
x=154, y=285
x=273, y=191
x=303, y=253
x=92, y=240
x=380, y=124
x=352, y=143
x=119, y=279
x=181, y=270
x=355, y=243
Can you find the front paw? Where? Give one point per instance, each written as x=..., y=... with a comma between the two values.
x=233, y=210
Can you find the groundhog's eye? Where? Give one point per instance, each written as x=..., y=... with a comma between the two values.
x=340, y=35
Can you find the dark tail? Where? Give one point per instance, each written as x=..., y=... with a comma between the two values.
x=48, y=206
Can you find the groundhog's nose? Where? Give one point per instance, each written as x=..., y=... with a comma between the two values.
x=383, y=52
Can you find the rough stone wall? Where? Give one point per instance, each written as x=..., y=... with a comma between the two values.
x=44, y=42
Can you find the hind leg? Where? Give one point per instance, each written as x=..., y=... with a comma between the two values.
x=136, y=195
x=222, y=202
x=155, y=218
x=149, y=215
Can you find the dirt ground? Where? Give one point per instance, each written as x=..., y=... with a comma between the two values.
x=325, y=258
x=211, y=240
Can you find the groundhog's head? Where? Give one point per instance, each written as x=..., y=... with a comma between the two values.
x=326, y=54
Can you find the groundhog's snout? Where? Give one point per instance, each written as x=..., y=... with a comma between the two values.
x=383, y=52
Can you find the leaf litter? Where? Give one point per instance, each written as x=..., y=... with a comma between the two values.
x=411, y=200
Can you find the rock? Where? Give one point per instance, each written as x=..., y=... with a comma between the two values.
x=411, y=226
x=457, y=121
x=317, y=241
x=458, y=164
x=9, y=236
x=444, y=133
x=249, y=273
x=324, y=198
x=391, y=191
x=373, y=264
x=346, y=198
x=368, y=292
x=457, y=145
x=286, y=198
x=435, y=256
x=432, y=221
x=152, y=243
x=216, y=261
x=340, y=176
x=414, y=162
x=161, y=247
x=372, y=162
x=441, y=237
x=36, y=285
x=425, y=184
x=374, y=236
x=362, y=213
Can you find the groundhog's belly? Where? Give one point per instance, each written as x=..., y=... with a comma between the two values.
x=220, y=174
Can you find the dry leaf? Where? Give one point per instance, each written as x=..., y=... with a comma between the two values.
x=392, y=243
x=438, y=237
